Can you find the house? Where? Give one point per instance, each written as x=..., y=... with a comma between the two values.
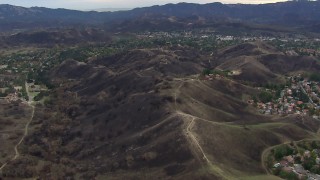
x=268, y=112
x=17, y=88
x=287, y=169
x=284, y=163
x=299, y=102
x=3, y=90
x=226, y=38
x=298, y=169
x=276, y=165
x=307, y=153
x=314, y=95
x=35, y=88
x=3, y=66
x=313, y=176
x=290, y=159
x=250, y=101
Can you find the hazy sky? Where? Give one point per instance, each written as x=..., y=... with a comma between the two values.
x=94, y=4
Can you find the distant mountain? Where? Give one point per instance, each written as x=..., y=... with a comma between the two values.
x=14, y=17
x=110, y=9
x=296, y=14
x=53, y=37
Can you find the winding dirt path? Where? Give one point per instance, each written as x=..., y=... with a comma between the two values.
x=26, y=130
x=194, y=143
x=176, y=94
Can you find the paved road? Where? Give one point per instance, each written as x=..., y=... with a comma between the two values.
x=305, y=92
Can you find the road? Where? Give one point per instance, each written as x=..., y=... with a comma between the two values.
x=26, y=129
x=305, y=92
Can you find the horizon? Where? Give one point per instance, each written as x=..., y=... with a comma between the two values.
x=85, y=5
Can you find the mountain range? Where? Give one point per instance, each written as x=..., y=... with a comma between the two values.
x=291, y=13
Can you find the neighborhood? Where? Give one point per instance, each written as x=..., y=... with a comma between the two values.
x=300, y=97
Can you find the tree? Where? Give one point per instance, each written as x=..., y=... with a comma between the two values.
x=314, y=77
x=265, y=97
x=309, y=162
x=288, y=175
x=282, y=151
x=206, y=71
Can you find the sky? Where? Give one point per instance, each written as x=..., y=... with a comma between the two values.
x=97, y=4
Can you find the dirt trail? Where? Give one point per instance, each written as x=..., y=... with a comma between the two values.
x=26, y=129
x=176, y=94
x=194, y=143
x=189, y=133
x=192, y=137
x=26, y=132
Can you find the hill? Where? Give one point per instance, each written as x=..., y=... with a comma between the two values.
x=146, y=113
x=50, y=37
x=261, y=63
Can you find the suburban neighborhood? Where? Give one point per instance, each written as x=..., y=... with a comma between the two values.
x=297, y=161
x=299, y=97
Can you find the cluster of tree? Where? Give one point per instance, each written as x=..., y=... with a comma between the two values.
x=265, y=97
x=6, y=92
x=40, y=77
x=285, y=175
x=3, y=94
x=23, y=93
x=310, y=164
x=41, y=95
x=302, y=96
x=281, y=151
x=314, y=77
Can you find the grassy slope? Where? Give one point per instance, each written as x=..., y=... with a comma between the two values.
x=232, y=137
